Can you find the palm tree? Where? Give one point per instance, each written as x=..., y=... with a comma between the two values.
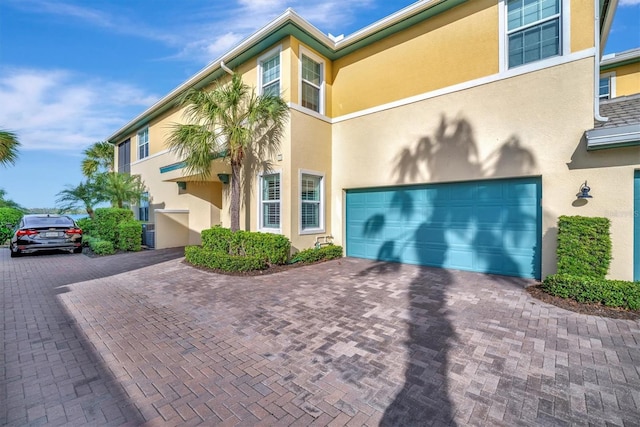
x=98, y=158
x=120, y=188
x=8, y=147
x=230, y=121
x=8, y=203
x=84, y=194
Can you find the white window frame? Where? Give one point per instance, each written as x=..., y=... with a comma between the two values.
x=261, y=202
x=612, y=84
x=565, y=41
x=141, y=144
x=262, y=59
x=321, y=209
x=323, y=66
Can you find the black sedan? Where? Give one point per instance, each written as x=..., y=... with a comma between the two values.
x=45, y=232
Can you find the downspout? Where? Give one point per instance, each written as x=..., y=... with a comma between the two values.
x=225, y=68
x=596, y=64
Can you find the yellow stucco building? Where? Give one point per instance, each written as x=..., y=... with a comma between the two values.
x=450, y=133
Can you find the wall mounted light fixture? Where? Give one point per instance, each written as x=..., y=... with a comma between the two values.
x=584, y=191
x=224, y=178
x=182, y=185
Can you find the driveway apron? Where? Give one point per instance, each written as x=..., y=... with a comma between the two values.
x=143, y=338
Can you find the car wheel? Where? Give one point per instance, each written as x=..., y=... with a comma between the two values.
x=77, y=250
x=14, y=254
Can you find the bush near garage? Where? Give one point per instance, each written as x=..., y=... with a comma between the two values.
x=106, y=220
x=584, y=246
x=323, y=253
x=86, y=225
x=130, y=236
x=612, y=293
x=99, y=246
x=238, y=251
x=9, y=218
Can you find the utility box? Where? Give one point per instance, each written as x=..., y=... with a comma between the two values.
x=148, y=235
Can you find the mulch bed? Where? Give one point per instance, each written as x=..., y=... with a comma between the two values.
x=537, y=292
x=270, y=270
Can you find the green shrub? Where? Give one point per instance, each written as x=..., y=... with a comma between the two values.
x=99, y=246
x=9, y=218
x=86, y=225
x=318, y=254
x=584, y=246
x=612, y=293
x=197, y=255
x=273, y=249
x=130, y=236
x=106, y=220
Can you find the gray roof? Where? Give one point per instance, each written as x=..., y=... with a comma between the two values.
x=621, y=111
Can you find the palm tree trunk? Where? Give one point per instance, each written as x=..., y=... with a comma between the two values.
x=235, y=196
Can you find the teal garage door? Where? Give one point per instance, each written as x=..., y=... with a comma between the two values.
x=636, y=226
x=486, y=226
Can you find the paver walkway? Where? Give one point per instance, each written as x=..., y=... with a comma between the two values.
x=143, y=338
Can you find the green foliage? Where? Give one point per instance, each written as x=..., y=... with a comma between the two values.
x=86, y=224
x=99, y=246
x=612, y=293
x=120, y=188
x=584, y=246
x=130, y=236
x=273, y=248
x=239, y=251
x=8, y=216
x=8, y=147
x=197, y=255
x=318, y=254
x=106, y=220
x=83, y=196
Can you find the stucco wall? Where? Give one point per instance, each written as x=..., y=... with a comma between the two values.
x=627, y=79
x=172, y=229
x=529, y=125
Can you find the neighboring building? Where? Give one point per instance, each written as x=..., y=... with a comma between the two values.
x=451, y=133
x=620, y=74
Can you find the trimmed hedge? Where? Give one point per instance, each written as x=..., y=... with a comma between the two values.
x=86, y=224
x=130, y=236
x=99, y=246
x=318, y=254
x=584, y=246
x=106, y=220
x=8, y=216
x=197, y=255
x=612, y=293
x=274, y=249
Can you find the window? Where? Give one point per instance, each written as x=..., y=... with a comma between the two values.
x=312, y=83
x=270, y=73
x=124, y=157
x=607, y=86
x=143, y=210
x=143, y=143
x=311, y=202
x=533, y=30
x=270, y=201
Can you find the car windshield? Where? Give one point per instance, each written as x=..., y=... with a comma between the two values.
x=45, y=221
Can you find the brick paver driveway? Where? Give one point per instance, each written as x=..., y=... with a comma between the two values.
x=143, y=338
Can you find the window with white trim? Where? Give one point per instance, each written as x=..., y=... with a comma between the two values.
x=312, y=82
x=311, y=202
x=607, y=87
x=270, y=201
x=533, y=30
x=269, y=67
x=143, y=143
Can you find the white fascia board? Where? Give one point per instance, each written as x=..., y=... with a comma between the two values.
x=614, y=58
x=610, y=137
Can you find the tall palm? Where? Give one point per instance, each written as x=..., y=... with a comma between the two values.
x=84, y=194
x=8, y=147
x=120, y=188
x=98, y=158
x=230, y=121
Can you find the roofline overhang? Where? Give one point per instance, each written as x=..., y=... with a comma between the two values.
x=607, y=12
x=290, y=23
x=613, y=137
x=618, y=59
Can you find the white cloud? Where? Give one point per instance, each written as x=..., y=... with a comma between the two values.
x=629, y=2
x=61, y=111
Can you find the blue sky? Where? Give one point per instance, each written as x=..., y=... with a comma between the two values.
x=73, y=72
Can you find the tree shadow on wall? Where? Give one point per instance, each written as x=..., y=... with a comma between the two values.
x=428, y=226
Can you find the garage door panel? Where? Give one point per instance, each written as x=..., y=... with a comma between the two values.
x=490, y=226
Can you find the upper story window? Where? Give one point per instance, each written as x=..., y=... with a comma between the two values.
x=269, y=69
x=124, y=157
x=143, y=143
x=607, y=86
x=312, y=82
x=270, y=201
x=533, y=30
